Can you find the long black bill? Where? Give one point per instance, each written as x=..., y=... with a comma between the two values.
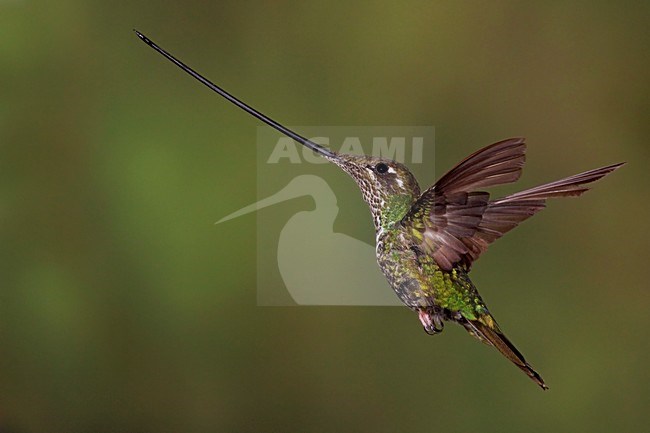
x=247, y=108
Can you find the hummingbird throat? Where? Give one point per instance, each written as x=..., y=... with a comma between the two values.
x=393, y=209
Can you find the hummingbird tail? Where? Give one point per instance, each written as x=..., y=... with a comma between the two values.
x=486, y=330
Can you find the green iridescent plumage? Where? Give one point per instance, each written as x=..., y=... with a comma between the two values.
x=426, y=243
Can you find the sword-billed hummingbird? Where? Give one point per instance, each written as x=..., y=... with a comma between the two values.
x=427, y=241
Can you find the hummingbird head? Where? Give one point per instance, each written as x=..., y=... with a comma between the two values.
x=387, y=186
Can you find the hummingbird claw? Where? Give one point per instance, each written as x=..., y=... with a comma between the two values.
x=432, y=322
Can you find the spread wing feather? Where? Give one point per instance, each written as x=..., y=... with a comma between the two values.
x=455, y=223
x=496, y=164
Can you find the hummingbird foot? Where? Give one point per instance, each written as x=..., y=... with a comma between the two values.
x=431, y=321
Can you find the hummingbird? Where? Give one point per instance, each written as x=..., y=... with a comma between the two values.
x=428, y=240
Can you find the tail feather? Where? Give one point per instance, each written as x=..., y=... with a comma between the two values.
x=490, y=333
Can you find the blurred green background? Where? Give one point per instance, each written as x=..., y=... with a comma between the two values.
x=123, y=308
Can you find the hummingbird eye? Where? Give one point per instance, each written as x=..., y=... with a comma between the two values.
x=381, y=168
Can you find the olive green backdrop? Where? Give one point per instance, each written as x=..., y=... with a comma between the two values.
x=123, y=308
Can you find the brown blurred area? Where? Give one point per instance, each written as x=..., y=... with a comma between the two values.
x=123, y=308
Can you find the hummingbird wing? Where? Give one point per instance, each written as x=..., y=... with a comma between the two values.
x=496, y=164
x=504, y=214
x=455, y=223
x=450, y=212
